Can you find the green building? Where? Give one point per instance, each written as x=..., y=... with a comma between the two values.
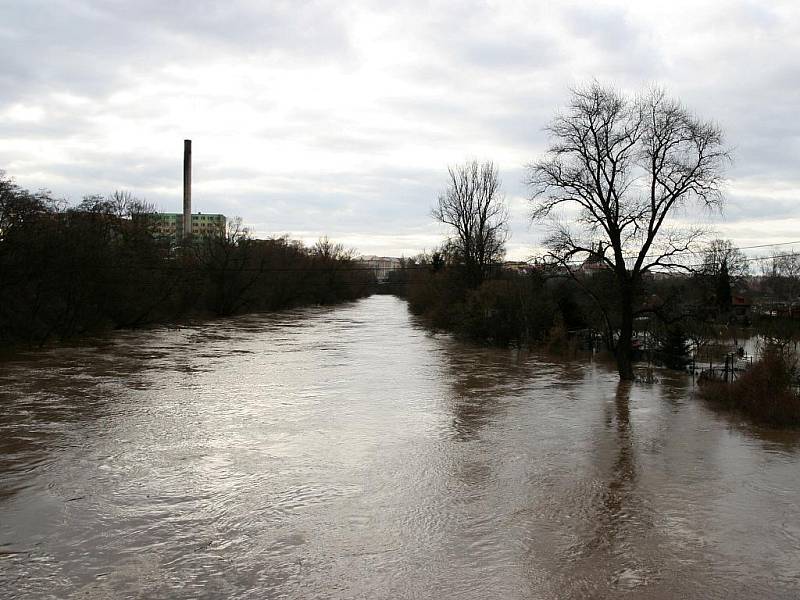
x=170, y=225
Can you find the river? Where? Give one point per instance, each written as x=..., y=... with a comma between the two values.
x=347, y=452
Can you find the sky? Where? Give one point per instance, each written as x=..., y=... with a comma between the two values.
x=340, y=118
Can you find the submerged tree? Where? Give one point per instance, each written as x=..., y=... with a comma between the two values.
x=625, y=165
x=474, y=208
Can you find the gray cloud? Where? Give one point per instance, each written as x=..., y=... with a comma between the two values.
x=342, y=116
x=91, y=48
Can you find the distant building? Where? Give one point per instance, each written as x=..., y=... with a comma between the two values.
x=520, y=267
x=204, y=226
x=741, y=305
x=595, y=262
x=381, y=265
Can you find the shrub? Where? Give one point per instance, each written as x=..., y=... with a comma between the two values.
x=765, y=392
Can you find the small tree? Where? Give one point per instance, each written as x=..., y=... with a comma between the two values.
x=673, y=348
x=474, y=208
x=626, y=164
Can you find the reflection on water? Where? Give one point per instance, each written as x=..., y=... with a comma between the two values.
x=348, y=453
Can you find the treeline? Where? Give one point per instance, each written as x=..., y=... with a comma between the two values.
x=547, y=304
x=67, y=271
x=506, y=307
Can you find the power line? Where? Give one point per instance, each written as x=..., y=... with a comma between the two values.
x=694, y=252
x=699, y=265
x=768, y=245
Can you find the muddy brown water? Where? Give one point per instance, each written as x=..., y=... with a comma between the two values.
x=348, y=453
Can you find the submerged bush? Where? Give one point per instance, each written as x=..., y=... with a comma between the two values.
x=507, y=308
x=765, y=392
x=559, y=342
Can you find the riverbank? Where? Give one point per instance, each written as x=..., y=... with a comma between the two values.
x=66, y=272
x=188, y=319
x=533, y=312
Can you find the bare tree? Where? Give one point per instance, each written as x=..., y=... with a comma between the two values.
x=19, y=206
x=724, y=268
x=723, y=255
x=327, y=250
x=473, y=206
x=782, y=263
x=626, y=164
x=781, y=272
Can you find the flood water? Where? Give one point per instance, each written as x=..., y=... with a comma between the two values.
x=348, y=453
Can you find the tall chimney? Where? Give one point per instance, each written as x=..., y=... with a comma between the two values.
x=187, y=188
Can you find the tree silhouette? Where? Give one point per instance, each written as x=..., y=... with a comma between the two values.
x=623, y=166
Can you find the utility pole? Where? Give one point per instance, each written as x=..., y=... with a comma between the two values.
x=187, y=188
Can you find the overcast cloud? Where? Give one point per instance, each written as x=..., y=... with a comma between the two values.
x=341, y=117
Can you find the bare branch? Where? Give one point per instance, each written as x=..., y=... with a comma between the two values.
x=474, y=208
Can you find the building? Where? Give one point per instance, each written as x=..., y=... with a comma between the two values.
x=595, y=262
x=204, y=226
x=740, y=307
x=520, y=267
x=381, y=265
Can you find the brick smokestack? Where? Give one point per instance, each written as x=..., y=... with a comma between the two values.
x=187, y=188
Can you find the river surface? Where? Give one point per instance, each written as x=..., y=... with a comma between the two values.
x=348, y=453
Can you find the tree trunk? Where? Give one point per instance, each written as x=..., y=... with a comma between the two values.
x=624, y=343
